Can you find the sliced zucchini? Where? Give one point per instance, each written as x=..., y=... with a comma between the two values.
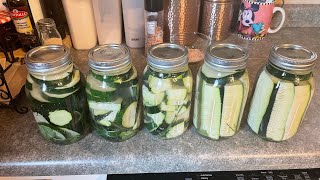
x=56, y=77
x=302, y=95
x=129, y=116
x=108, y=106
x=68, y=88
x=57, y=80
x=187, y=81
x=59, y=96
x=210, y=112
x=60, y=117
x=260, y=101
x=176, y=94
x=151, y=99
x=170, y=116
x=246, y=85
x=157, y=118
x=280, y=111
x=183, y=114
x=37, y=94
x=158, y=85
x=105, y=123
x=232, y=100
x=165, y=107
x=175, y=131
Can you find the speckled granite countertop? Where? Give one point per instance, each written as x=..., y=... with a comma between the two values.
x=24, y=152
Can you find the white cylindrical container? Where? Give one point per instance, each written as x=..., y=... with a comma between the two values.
x=36, y=10
x=133, y=16
x=108, y=18
x=80, y=19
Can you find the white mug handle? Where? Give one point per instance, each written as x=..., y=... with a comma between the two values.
x=283, y=14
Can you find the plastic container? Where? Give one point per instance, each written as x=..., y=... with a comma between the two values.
x=80, y=19
x=133, y=15
x=283, y=92
x=48, y=32
x=222, y=91
x=108, y=19
x=167, y=90
x=113, y=92
x=55, y=90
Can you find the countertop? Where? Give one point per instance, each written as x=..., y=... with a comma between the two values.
x=23, y=151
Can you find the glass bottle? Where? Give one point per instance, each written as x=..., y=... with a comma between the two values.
x=153, y=22
x=283, y=92
x=55, y=90
x=167, y=90
x=222, y=91
x=23, y=21
x=113, y=92
x=48, y=32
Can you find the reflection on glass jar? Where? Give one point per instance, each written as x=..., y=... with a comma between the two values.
x=222, y=91
x=283, y=92
x=167, y=90
x=113, y=92
x=56, y=93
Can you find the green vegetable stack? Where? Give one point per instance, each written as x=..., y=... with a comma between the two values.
x=167, y=91
x=283, y=92
x=222, y=91
x=113, y=93
x=55, y=91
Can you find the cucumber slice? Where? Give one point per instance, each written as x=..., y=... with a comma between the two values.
x=39, y=118
x=151, y=99
x=170, y=116
x=187, y=81
x=68, y=88
x=210, y=110
x=184, y=114
x=105, y=123
x=260, y=101
x=157, y=118
x=176, y=94
x=175, y=131
x=98, y=85
x=158, y=85
x=129, y=116
x=107, y=106
x=232, y=100
x=36, y=94
x=60, y=117
x=302, y=96
x=246, y=84
x=280, y=111
x=165, y=107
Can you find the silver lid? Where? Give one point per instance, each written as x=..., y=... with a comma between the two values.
x=292, y=57
x=47, y=58
x=227, y=56
x=110, y=58
x=167, y=56
x=46, y=22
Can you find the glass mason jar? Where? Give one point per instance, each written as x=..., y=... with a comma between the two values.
x=222, y=91
x=55, y=89
x=166, y=90
x=113, y=92
x=283, y=91
x=48, y=32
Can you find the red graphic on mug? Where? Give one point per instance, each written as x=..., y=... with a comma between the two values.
x=254, y=20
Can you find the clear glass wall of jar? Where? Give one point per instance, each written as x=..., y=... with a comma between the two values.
x=222, y=91
x=55, y=89
x=166, y=90
x=48, y=32
x=113, y=92
x=283, y=91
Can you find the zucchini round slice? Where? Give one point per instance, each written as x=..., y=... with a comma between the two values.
x=60, y=117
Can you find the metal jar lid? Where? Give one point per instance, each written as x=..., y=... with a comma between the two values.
x=110, y=58
x=167, y=56
x=292, y=57
x=47, y=58
x=227, y=56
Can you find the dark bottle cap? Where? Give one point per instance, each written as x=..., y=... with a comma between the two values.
x=153, y=5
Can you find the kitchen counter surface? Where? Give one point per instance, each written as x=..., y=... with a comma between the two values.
x=24, y=152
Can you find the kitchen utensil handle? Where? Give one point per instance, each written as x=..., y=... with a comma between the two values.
x=283, y=14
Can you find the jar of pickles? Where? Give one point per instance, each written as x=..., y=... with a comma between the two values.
x=166, y=90
x=113, y=92
x=56, y=93
x=283, y=92
x=222, y=91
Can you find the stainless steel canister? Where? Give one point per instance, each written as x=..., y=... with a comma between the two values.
x=180, y=17
x=217, y=18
